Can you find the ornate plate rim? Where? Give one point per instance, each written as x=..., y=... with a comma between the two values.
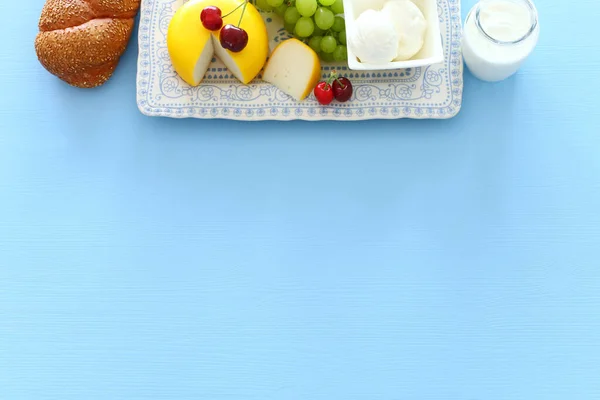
x=453, y=58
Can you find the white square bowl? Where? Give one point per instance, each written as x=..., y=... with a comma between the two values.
x=431, y=53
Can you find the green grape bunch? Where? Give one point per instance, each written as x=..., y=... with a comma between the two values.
x=318, y=23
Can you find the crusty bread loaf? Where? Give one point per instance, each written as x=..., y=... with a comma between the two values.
x=81, y=41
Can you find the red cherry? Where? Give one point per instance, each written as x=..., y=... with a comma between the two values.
x=233, y=38
x=342, y=89
x=324, y=93
x=211, y=18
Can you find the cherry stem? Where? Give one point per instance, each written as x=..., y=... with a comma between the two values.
x=235, y=9
x=333, y=76
x=243, y=11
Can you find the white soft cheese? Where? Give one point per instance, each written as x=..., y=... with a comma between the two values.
x=410, y=26
x=375, y=39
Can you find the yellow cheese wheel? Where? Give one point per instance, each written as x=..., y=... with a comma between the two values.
x=191, y=46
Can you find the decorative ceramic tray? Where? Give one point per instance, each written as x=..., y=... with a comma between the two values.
x=428, y=92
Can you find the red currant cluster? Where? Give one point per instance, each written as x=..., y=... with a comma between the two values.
x=232, y=38
x=340, y=89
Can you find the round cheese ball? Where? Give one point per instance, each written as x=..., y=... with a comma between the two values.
x=410, y=25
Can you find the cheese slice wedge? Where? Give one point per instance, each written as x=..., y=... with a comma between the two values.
x=192, y=47
x=294, y=68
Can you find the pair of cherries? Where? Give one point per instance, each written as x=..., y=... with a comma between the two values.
x=231, y=37
x=333, y=88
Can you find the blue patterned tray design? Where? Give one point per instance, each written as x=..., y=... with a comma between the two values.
x=428, y=92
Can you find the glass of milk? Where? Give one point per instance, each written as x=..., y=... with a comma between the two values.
x=498, y=36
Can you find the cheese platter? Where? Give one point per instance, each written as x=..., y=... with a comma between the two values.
x=186, y=71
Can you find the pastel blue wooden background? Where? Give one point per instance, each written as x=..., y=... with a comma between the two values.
x=147, y=259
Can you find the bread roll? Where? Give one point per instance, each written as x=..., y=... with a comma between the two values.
x=81, y=41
